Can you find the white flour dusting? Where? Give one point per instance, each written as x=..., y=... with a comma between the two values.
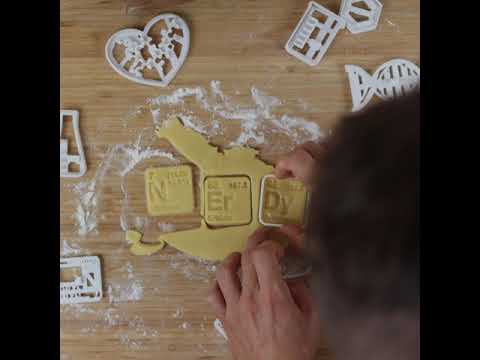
x=166, y=227
x=259, y=122
x=191, y=268
x=132, y=328
x=129, y=291
x=131, y=338
x=86, y=211
x=186, y=326
x=397, y=28
x=87, y=194
x=119, y=159
x=256, y=120
x=179, y=313
x=134, y=155
x=68, y=250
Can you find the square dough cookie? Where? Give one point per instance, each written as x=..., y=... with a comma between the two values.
x=169, y=190
x=228, y=200
x=282, y=201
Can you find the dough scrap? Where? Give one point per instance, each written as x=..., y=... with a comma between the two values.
x=140, y=248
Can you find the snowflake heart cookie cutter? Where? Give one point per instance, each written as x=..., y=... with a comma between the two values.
x=392, y=79
x=152, y=56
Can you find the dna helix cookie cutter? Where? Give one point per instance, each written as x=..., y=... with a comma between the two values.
x=392, y=79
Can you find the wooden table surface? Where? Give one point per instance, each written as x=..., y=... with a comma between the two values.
x=239, y=43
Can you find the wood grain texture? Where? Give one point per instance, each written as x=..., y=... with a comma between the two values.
x=240, y=43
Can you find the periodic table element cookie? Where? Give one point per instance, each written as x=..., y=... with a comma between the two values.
x=314, y=34
x=228, y=200
x=169, y=190
x=282, y=201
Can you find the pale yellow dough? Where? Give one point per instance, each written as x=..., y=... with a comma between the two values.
x=169, y=190
x=140, y=248
x=206, y=242
x=228, y=200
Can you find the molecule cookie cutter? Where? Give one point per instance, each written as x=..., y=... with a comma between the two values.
x=152, y=56
x=361, y=19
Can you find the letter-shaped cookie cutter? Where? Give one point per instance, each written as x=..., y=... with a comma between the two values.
x=85, y=288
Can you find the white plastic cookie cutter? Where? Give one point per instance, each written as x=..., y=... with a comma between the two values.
x=358, y=18
x=65, y=158
x=314, y=33
x=394, y=78
x=217, y=324
x=85, y=287
x=142, y=54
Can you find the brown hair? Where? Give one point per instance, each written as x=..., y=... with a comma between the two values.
x=363, y=221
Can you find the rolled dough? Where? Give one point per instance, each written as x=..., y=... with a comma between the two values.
x=207, y=242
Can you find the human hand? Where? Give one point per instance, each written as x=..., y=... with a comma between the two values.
x=299, y=164
x=264, y=316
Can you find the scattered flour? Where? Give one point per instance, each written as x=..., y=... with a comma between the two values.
x=191, y=268
x=397, y=28
x=131, y=291
x=259, y=123
x=87, y=194
x=256, y=120
x=166, y=227
x=132, y=328
x=179, y=313
x=137, y=331
x=134, y=155
x=86, y=211
x=119, y=159
x=68, y=250
x=186, y=326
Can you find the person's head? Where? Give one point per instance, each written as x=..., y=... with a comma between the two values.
x=363, y=233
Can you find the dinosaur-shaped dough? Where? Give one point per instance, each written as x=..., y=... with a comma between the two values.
x=206, y=242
